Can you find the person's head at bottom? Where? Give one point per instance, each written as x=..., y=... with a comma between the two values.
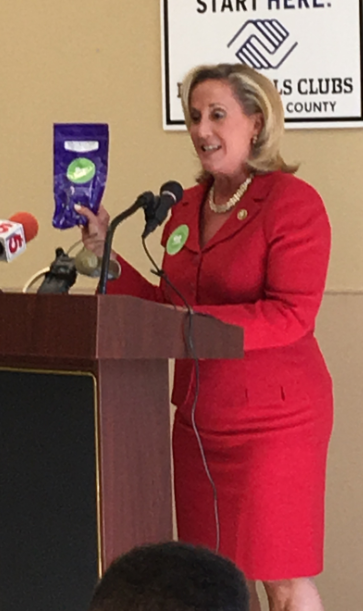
x=171, y=577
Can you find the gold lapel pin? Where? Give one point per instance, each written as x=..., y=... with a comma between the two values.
x=242, y=214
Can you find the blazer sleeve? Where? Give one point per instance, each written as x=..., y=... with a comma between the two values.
x=298, y=238
x=131, y=282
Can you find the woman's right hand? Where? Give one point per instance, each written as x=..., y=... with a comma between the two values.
x=94, y=233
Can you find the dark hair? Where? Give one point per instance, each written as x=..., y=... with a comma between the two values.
x=256, y=94
x=171, y=577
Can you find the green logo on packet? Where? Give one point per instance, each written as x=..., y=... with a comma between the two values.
x=177, y=239
x=81, y=170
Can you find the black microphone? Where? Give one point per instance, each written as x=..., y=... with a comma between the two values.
x=61, y=276
x=170, y=194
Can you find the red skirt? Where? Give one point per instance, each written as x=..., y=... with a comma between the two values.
x=269, y=474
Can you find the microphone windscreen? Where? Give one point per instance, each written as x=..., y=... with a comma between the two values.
x=89, y=264
x=173, y=187
x=86, y=262
x=29, y=222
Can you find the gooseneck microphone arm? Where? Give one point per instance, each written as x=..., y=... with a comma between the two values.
x=142, y=201
x=156, y=211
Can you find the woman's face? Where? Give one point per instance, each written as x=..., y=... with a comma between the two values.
x=221, y=132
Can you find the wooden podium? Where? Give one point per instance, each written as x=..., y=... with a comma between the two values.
x=85, y=468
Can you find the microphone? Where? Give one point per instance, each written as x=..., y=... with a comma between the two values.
x=89, y=264
x=15, y=233
x=61, y=275
x=171, y=193
x=158, y=210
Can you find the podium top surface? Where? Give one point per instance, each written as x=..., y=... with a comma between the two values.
x=95, y=327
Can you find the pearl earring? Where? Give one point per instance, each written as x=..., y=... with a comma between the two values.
x=254, y=140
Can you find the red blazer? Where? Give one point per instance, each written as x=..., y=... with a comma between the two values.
x=264, y=270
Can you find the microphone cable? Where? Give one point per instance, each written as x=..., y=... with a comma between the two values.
x=189, y=338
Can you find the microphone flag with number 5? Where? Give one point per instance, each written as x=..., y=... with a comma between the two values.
x=15, y=233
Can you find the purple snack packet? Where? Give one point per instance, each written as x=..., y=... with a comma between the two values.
x=80, y=170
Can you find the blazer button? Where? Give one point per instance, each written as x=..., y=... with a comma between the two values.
x=242, y=214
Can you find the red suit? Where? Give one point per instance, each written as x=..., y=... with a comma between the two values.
x=265, y=420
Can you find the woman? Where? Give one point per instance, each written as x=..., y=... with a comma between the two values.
x=252, y=248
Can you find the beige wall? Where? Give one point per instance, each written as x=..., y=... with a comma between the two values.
x=100, y=61
x=340, y=332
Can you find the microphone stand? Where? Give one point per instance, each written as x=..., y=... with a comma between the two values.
x=143, y=201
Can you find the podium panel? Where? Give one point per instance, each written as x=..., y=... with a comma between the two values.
x=49, y=553
x=85, y=469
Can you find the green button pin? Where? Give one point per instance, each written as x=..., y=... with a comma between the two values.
x=177, y=239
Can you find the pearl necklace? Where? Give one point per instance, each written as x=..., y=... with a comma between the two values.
x=220, y=208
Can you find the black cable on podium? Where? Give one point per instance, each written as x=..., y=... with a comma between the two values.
x=189, y=339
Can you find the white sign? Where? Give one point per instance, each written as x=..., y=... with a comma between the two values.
x=310, y=49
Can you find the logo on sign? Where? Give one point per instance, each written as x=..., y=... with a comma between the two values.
x=262, y=44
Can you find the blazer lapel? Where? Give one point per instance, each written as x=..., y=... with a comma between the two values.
x=244, y=212
x=191, y=215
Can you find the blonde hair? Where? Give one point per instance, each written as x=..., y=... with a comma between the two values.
x=256, y=94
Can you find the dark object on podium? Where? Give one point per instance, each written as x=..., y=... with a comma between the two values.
x=61, y=276
x=85, y=436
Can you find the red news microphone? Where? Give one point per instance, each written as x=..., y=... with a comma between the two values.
x=15, y=233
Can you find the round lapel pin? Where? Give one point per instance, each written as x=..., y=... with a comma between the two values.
x=242, y=214
x=177, y=239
